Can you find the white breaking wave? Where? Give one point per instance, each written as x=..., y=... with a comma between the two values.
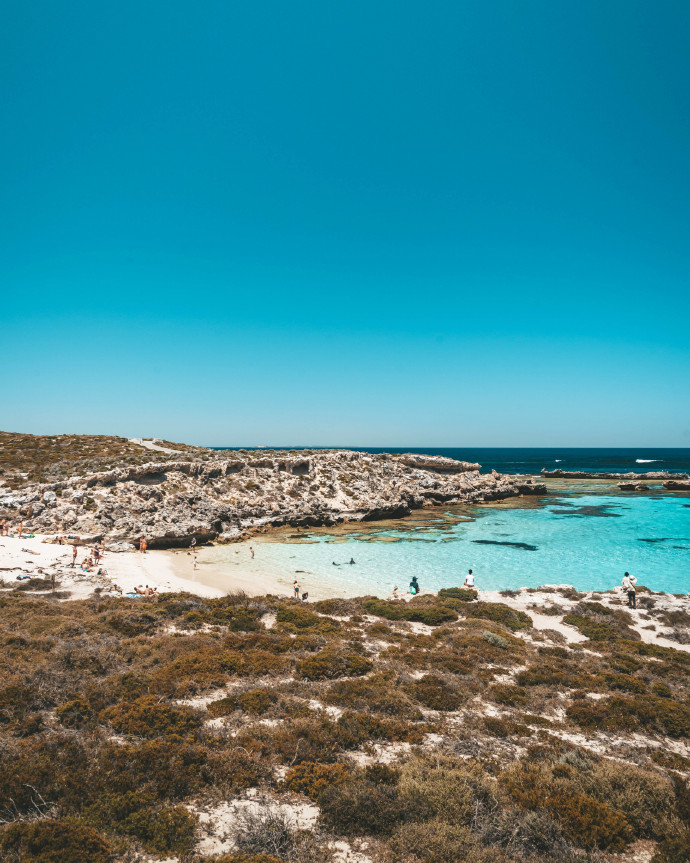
x=647, y=460
x=558, y=459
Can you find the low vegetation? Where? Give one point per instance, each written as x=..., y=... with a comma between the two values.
x=435, y=743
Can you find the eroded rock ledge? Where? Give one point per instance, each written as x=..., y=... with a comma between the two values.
x=169, y=502
x=631, y=475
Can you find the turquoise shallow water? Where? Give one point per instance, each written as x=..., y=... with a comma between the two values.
x=585, y=540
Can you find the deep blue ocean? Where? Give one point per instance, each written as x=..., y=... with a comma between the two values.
x=532, y=459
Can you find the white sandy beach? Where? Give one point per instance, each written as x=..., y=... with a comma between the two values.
x=168, y=571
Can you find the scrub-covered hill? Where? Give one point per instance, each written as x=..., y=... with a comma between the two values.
x=241, y=730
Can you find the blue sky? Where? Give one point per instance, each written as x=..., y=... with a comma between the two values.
x=383, y=223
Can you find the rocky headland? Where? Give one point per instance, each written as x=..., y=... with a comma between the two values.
x=226, y=495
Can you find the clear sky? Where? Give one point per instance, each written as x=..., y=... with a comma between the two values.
x=383, y=223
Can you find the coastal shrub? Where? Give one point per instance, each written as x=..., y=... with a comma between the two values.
x=447, y=789
x=619, y=713
x=48, y=841
x=432, y=615
x=210, y=667
x=166, y=830
x=339, y=607
x=438, y=841
x=584, y=820
x=131, y=623
x=375, y=693
x=330, y=663
x=499, y=726
x=512, y=696
x=673, y=850
x=255, y=701
x=311, y=778
x=74, y=713
x=624, y=682
x=266, y=831
x=500, y=613
x=148, y=717
x=360, y=807
x=465, y=594
x=435, y=693
x=495, y=639
x=298, y=618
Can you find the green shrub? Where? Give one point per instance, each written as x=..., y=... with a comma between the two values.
x=166, y=830
x=465, y=594
x=358, y=807
x=436, y=841
x=499, y=726
x=74, y=713
x=660, y=715
x=375, y=694
x=435, y=693
x=432, y=615
x=495, y=639
x=500, y=613
x=60, y=841
x=255, y=701
x=673, y=850
x=512, y=696
x=331, y=663
x=147, y=717
x=311, y=778
x=299, y=618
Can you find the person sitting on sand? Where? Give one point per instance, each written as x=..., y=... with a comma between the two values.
x=414, y=586
x=469, y=579
x=396, y=593
x=305, y=596
x=628, y=584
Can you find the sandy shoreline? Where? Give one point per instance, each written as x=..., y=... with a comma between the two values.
x=167, y=571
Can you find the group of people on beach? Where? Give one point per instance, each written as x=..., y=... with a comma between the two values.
x=5, y=527
x=415, y=587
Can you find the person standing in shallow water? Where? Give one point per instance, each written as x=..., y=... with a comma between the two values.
x=629, y=582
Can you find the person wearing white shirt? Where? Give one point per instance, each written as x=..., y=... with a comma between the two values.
x=628, y=584
x=469, y=579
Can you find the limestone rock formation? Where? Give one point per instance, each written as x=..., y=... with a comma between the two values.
x=230, y=495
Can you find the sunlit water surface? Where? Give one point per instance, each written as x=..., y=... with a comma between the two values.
x=587, y=540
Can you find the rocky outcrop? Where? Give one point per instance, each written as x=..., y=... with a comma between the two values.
x=678, y=484
x=631, y=475
x=437, y=463
x=633, y=486
x=228, y=497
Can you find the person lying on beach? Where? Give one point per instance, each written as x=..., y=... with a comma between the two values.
x=139, y=591
x=30, y=551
